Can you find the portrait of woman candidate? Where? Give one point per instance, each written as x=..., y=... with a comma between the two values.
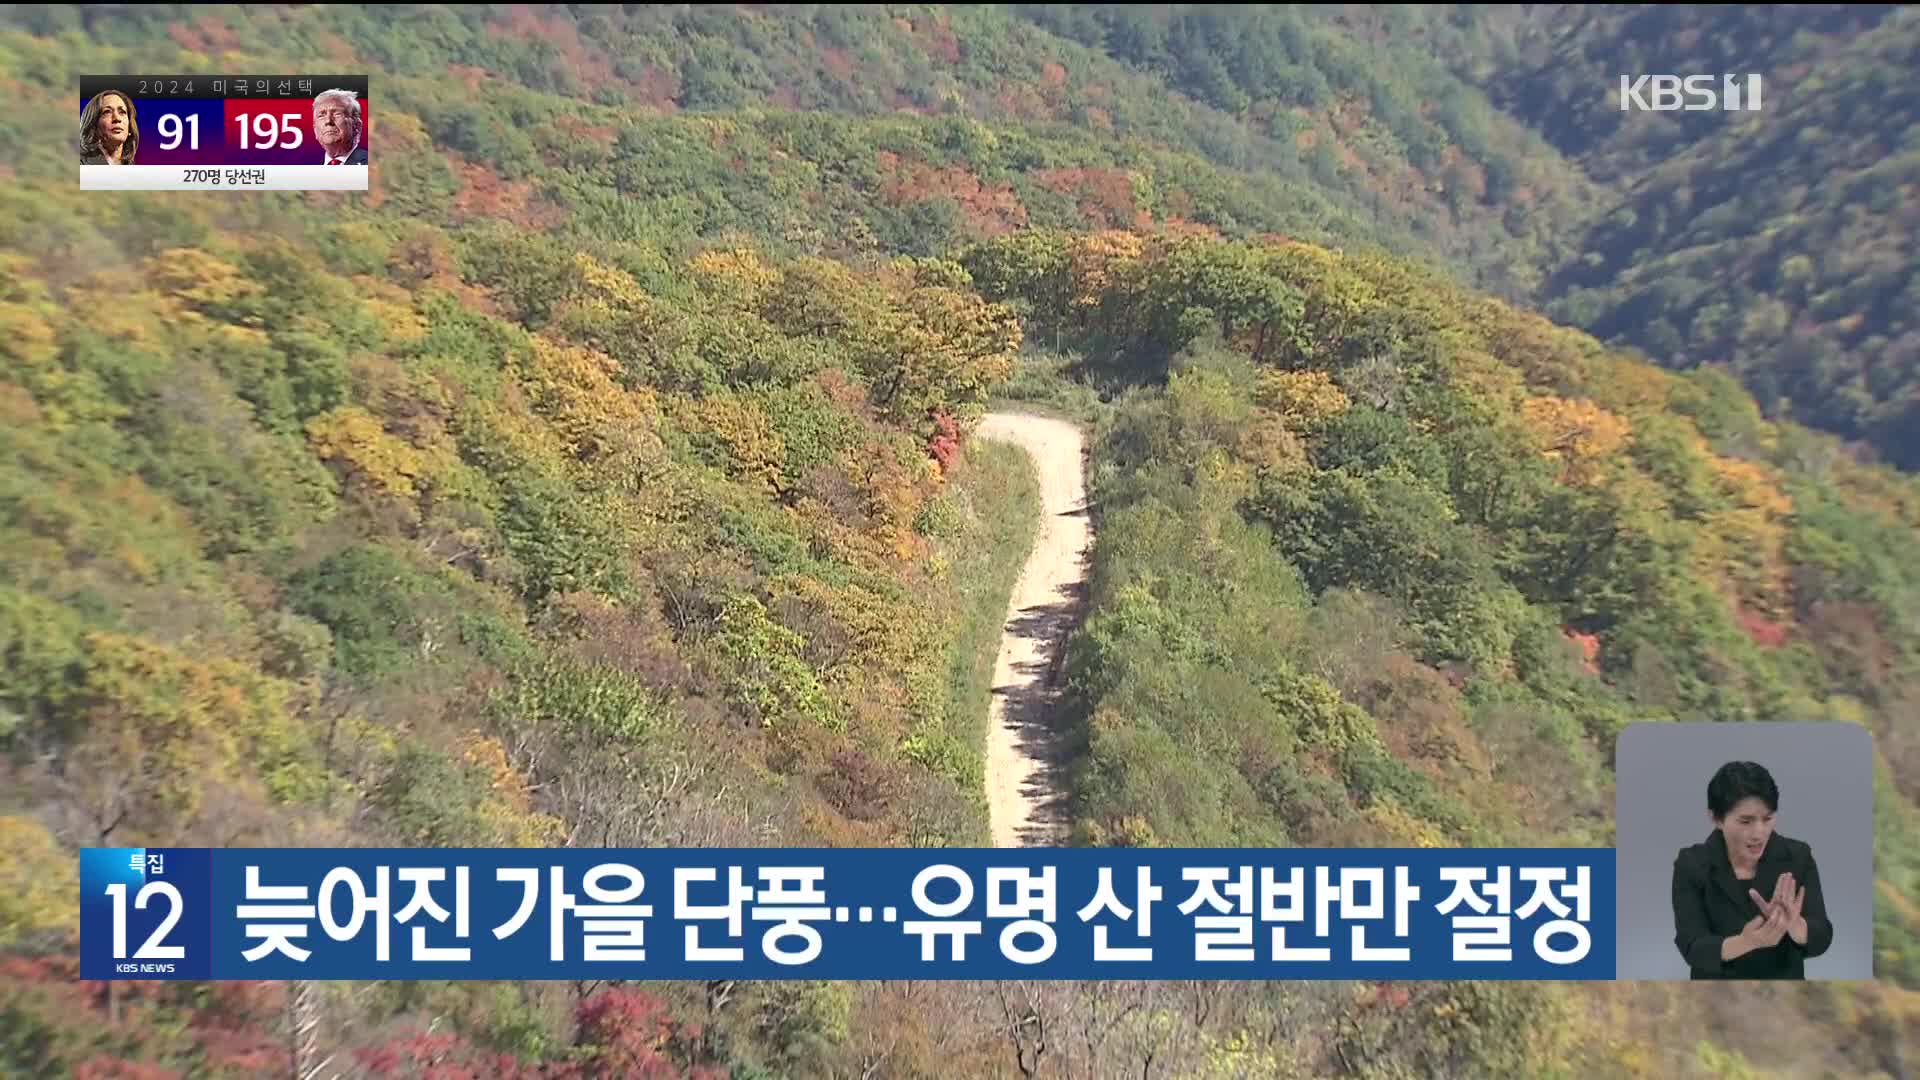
x=109, y=131
x=1747, y=901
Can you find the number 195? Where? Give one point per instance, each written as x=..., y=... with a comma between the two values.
x=269, y=131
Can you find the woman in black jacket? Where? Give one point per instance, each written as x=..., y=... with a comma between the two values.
x=1746, y=901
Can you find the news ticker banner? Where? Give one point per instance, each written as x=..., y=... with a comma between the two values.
x=229, y=132
x=811, y=913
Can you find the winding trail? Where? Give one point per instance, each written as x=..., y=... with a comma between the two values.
x=1025, y=782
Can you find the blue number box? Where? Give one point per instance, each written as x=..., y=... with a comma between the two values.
x=178, y=131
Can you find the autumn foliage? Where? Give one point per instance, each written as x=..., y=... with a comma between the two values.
x=605, y=477
x=618, y=1033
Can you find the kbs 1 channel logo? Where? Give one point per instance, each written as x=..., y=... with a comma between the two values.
x=1690, y=93
x=281, y=132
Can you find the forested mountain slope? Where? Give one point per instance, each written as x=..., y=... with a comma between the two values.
x=1472, y=188
x=604, y=476
x=1784, y=245
x=1484, y=139
x=1780, y=244
x=1385, y=563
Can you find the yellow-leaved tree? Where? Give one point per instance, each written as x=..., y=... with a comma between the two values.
x=38, y=881
x=1577, y=434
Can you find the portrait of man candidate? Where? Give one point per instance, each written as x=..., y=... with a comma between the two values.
x=338, y=127
x=109, y=130
x=1747, y=902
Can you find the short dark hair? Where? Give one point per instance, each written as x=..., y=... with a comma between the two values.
x=1738, y=780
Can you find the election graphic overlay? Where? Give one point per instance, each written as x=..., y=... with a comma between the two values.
x=954, y=913
x=245, y=132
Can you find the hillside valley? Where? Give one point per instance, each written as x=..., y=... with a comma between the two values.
x=633, y=466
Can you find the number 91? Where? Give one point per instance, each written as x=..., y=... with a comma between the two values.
x=269, y=130
x=172, y=129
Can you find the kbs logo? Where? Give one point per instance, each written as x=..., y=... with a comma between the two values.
x=1691, y=93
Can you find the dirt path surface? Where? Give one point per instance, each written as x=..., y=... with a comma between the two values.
x=1025, y=787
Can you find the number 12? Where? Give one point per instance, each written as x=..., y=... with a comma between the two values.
x=152, y=950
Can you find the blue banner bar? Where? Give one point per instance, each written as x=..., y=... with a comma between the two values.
x=892, y=913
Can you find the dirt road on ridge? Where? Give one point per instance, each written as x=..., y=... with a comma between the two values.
x=1024, y=784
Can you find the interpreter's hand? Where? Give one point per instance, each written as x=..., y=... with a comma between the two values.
x=1783, y=907
x=1791, y=904
x=1766, y=929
